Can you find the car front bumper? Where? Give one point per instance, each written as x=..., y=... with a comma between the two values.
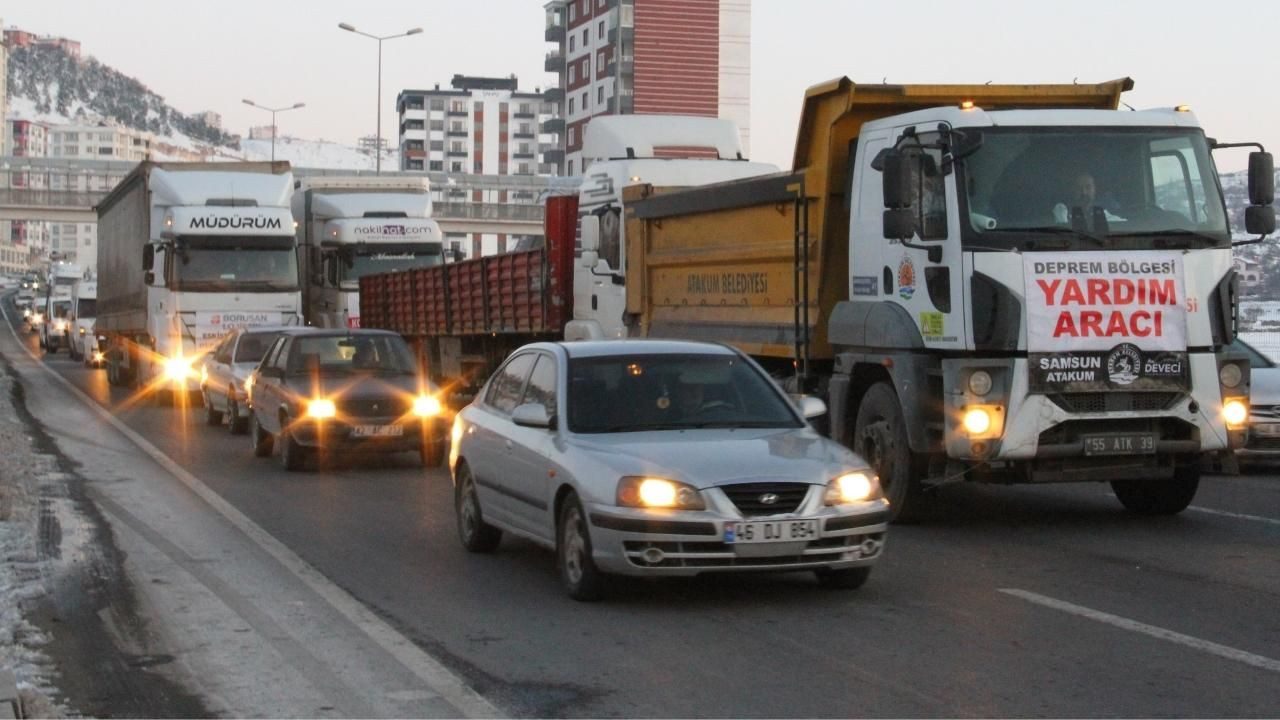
x=639, y=542
x=343, y=435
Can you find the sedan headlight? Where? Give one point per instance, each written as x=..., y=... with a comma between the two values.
x=650, y=492
x=426, y=406
x=321, y=408
x=853, y=487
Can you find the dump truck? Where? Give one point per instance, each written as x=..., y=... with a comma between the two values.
x=1001, y=283
x=188, y=252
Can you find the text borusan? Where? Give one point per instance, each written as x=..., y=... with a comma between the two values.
x=237, y=222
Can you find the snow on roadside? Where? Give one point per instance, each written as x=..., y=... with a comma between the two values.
x=21, y=572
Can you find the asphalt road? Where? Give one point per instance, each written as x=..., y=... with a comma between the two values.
x=1015, y=601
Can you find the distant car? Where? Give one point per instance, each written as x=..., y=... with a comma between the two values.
x=655, y=458
x=225, y=371
x=339, y=391
x=1264, y=406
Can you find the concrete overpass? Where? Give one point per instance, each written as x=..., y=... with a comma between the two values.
x=57, y=190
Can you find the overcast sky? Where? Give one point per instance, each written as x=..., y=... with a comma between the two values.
x=211, y=54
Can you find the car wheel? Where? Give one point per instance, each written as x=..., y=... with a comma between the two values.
x=236, y=424
x=844, y=578
x=259, y=439
x=477, y=536
x=1159, y=497
x=578, y=572
x=880, y=437
x=211, y=416
x=292, y=455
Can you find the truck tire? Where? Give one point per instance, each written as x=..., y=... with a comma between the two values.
x=880, y=438
x=1159, y=497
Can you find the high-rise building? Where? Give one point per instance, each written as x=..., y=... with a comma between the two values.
x=684, y=57
x=26, y=138
x=4, y=92
x=481, y=126
x=102, y=141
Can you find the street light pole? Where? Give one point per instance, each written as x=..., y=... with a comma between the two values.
x=377, y=146
x=273, y=112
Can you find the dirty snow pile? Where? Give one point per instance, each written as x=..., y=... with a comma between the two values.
x=20, y=566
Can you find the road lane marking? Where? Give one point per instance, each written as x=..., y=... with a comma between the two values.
x=439, y=678
x=1230, y=653
x=1238, y=516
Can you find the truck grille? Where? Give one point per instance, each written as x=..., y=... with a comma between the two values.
x=748, y=497
x=1096, y=402
x=1265, y=412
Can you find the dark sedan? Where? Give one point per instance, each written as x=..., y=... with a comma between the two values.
x=332, y=391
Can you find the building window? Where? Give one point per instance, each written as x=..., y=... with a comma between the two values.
x=586, y=35
x=585, y=100
x=437, y=104
x=437, y=145
x=572, y=73
x=571, y=45
x=437, y=125
x=599, y=96
x=570, y=106
x=437, y=165
x=570, y=167
x=573, y=11
x=572, y=135
x=600, y=30
x=455, y=166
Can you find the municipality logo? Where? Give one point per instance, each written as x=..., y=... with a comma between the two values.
x=1124, y=364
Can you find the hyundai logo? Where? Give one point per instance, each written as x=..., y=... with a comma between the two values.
x=768, y=498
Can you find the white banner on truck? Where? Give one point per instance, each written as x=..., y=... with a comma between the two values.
x=212, y=325
x=1103, y=320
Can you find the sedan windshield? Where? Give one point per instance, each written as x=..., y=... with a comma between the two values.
x=1088, y=187
x=253, y=346
x=672, y=392
x=348, y=354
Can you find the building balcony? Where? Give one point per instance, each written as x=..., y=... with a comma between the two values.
x=554, y=157
x=522, y=155
x=554, y=95
x=456, y=113
x=456, y=133
x=523, y=115
x=455, y=153
x=554, y=33
x=522, y=135
x=554, y=62
x=553, y=126
x=626, y=34
x=621, y=105
x=627, y=65
x=419, y=153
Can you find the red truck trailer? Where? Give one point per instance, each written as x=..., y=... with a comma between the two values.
x=464, y=318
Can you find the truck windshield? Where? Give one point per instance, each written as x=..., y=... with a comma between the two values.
x=87, y=308
x=235, y=264
x=1091, y=188
x=367, y=260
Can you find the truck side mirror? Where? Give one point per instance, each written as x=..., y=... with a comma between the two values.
x=590, y=258
x=1260, y=219
x=896, y=176
x=148, y=257
x=899, y=224
x=1262, y=179
x=590, y=231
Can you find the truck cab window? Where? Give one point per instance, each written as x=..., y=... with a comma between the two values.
x=611, y=238
x=927, y=177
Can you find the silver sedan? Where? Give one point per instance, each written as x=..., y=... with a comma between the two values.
x=659, y=458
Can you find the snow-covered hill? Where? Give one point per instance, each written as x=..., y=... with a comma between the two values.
x=316, y=154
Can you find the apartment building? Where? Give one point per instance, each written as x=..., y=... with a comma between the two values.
x=15, y=38
x=101, y=141
x=481, y=126
x=686, y=57
x=26, y=138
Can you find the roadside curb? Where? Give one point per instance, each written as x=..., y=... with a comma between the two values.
x=9, y=704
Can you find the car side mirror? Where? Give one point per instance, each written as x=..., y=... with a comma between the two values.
x=590, y=231
x=812, y=407
x=531, y=415
x=1262, y=179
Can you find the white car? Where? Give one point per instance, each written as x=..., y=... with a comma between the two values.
x=659, y=458
x=225, y=371
x=1264, y=407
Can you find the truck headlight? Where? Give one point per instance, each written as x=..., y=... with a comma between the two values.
x=1235, y=411
x=650, y=492
x=321, y=408
x=177, y=369
x=977, y=421
x=426, y=406
x=852, y=487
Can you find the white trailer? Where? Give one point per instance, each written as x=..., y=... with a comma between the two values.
x=186, y=253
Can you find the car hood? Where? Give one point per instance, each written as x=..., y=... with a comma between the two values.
x=711, y=457
x=1264, y=386
x=357, y=386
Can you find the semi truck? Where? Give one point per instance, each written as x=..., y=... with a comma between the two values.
x=83, y=342
x=1000, y=283
x=467, y=316
x=349, y=227
x=186, y=253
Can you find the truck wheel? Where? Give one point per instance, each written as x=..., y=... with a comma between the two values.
x=1159, y=497
x=260, y=440
x=880, y=437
